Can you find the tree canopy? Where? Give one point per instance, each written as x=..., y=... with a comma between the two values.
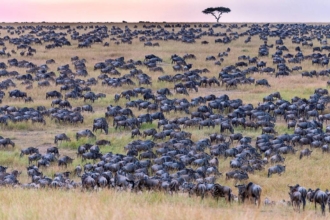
x=216, y=12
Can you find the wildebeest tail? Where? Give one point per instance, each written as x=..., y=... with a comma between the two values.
x=259, y=191
x=323, y=208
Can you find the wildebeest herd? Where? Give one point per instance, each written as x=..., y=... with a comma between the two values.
x=164, y=153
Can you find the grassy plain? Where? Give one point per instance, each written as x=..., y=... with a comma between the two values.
x=108, y=204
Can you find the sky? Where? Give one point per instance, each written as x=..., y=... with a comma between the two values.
x=163, y=10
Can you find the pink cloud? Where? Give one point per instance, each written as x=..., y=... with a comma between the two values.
x=161, y=10
x=101, y=10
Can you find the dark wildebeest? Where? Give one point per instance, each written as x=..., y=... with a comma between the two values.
x=234, y=137
x=53, y=150
x=226, y=126
x=268, y=130
x=61, y=137
x=149, y=132
x=296, y=199
x=320, y=197
x=249, y=191
x=6, y=141
x=262, y=82
x=325, y=148
x=135, y=132
x=87, y=182
x=90, y=156
x=29, y=151
x=64, y=161
x=277, y=158
x=102, y=124
x=52, y=94
x=34, y=157
x=85, y=133
x=305, y=153
x=276, y=169
x=199, y=189
x=302, y=190
x=103, y=142
x=221, y=191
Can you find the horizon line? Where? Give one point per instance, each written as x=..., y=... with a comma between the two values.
x=164, y=22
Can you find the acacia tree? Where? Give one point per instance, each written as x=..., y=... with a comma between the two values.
x=216, y=12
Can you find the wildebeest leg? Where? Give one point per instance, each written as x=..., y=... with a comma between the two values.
x=304, y=203
x=315, y=205
x=203, y=194
x=229, y=197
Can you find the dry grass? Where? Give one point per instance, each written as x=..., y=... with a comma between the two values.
x=108, y=204
x=18, y=204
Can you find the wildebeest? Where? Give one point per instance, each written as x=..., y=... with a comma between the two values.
x=305, y=153
x=277, y=158
x=100, y=123
x=34, y=157
x=249, y=191
x=149, y=132
x=53, y=150
x=103, y=142
x=17, y=94
x=221, y=191
x=135, y=132
x=296, y=199
x=268, y=130
x=53, y=94
x=61, y=137
x=199, y=189
x=236, y=136
x=64, y=161
x=320, y=197
x=6, y=141
x=88, y=182
x=28, y=151
x=276, y=169
x=325, y=148
x=85, y=133
x=301, y=190
x=226, y=126
x=91, y=156
x=262, y=82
